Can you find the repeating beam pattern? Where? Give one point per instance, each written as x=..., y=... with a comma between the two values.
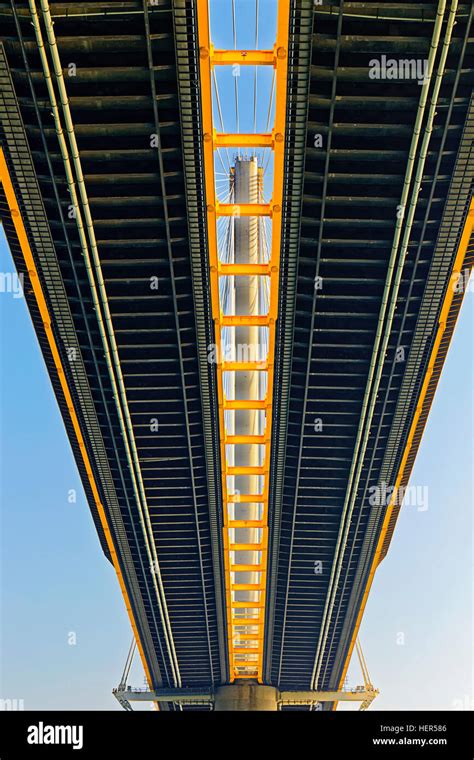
x=245, y=619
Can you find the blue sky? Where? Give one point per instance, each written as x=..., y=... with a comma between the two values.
x=55, y=580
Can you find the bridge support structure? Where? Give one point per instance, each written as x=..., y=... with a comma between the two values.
x=248, y=696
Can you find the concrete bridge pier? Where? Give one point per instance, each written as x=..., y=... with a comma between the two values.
x=246, y=696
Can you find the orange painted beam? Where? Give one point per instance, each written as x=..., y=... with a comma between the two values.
x=278, y=58
x=246, y=470
x=247, y=547
x=239, y=404
x=247, y=498
x=245, y=622
x=245, y=366
x=246, y=269
x=243, y=209
x=241, y=57
x=245, y=320
x=224, y=140
x=252, y=439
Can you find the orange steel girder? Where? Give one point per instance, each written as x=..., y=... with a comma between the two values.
x=241, y=667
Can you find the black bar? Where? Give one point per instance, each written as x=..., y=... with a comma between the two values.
x=375, y=734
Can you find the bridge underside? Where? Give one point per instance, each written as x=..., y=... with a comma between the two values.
x=134, y=97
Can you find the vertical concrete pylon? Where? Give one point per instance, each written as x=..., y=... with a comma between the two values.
x=247, y=384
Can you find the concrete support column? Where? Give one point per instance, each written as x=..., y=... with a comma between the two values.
x=247, y=384
x=246, y=696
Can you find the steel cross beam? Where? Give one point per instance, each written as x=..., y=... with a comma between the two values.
x=183, y=696
x=362, y=694
x=244, y=209
x=247, y=618
x=238, y=57
x=224, y=140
